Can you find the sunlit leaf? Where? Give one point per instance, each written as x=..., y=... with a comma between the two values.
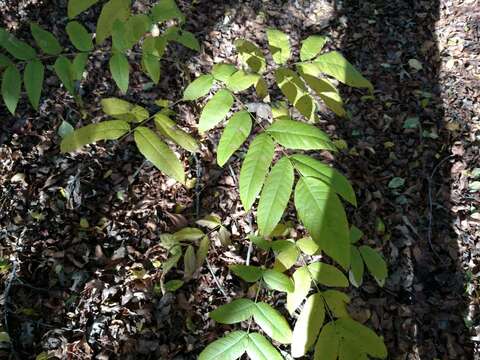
x=169, y=128
x=222, y=72
x=259, y=348
x=241, y=80
x=198, y=88
x=308, y=246
x=311, y=46
x=302, y=283
x=278, y=281
x=279, y=45
x=272, y=323
x=188, y=234
x=308, y=325
x=237, y=311
x=251, y=55
x=247, y=272
x=234, y=135
x=327, y=275
x=215, y=110
x=230, y=347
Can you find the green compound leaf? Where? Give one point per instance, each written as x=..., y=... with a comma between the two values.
x=335, y=65
x=337, y=303
x=230, y=347
x=76, y=7
x=124, y=110
x=79, y=36
x=376, y=265
x=255, y=168
x=327, y=275
x=312, y=46
x=279, y=45
x=106, y=130
x=120, y=39
x=237, y=311
x=113, y=10
x=298, y=135
x=251, y=55
x=310, y=167
x=45, y=40
x=158, y=153
x=259, y=348
x=275, y=196
x=302, y=282
x=120, y=70
x=17, y=48
x=236, y=132
x=247, y=272
x=286, y=257
x=65, y=72
x=222, y=72
x=272, y=322
x=361, y=337
x=215, y=110
x=308, y=325
x=308, y=246
x=356, y=267
x=151, y=59
x=11, y=85
x=355, y=234
x=199, y=87
x=78, y=65
x=241, y=80
x=328, y=343
x=33, y=76
x=322, y=213
x=136, y=26
x=169, y=128
x=166, y=10
x=278, y=281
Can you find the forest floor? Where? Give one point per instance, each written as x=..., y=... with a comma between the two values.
x=87, y=290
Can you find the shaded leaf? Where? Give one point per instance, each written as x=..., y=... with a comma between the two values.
x=362, y=337
x=17, y=48
x=236, y=132
x=64, y=70
x=376, y=265
x=173, y=285
x=189, y=262
x=11, y=85
x=33, y=80
x=113, y=10
x=166, y=10
x=124, y=110
x=251, y=55
x=327, y=275
x=202, y=251
x=76, y=7
x=247, y=272
x=78, y=65
x=328, y=343
x=188, y=234
x=45, y=40
x=356, y=267
x=337, y=303
x=120, y=70
x=355, y=234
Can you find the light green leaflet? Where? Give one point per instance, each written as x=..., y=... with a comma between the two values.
x=323, y=215
x=237, y=311
x=198, y=88
x=124, y=110
x=308, y=166
x=251, y=55
x=356, y=267
x=335, y=65
x=328, y=343
x=11, y=85
x=302, y=282
x=279, y=46
x=275, y=196
x=76, y=7
x=113, y=10
x=45, y=40
x=247, y=272
x=361, y=337
x=33, y=79
x=229, y=347
x=106, y=130
x=308, y=325
x=241, y=80
x=298, y=135
x=255, y=168
x=234, y=135
x=278, y=281
x=120, y=70
x=79, y=36
x=376, y=265
x=311, y=46
x=272, y=323
x=259, y=348
x=158, y=153
x=222, y=72
x=215, y=110
x=327, y=275
x=169, y=128
x=337, y=303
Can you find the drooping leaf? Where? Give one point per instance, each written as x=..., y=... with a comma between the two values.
x=124, y=110
x=198, y=88
x=255, y=168
x=113, y=10
x=33, y=80
x=298, y=135
x=222, y=71
x=328, y=343
x=335, y=65
x=259, y=348
x=120, y=70
x=248, y=273
x=202, y=251
x=237, y=311
x=235, y=133
x=323, y=215
x=45, y=40
x=158, y=153
x=356, y=267
x=308, y=246
x=11, y=85
x=230, y=347
x=106, y=130
x=327, y=274
x=312, y=46
x=64, y=70
x=376, y=265
x=272, y=323
x=302, y=283
x=308, y=325
x=279, y=45
x=166, y=10
x=241, y=80
x=76, y=7
x=189, y=262
x=17, y=48
x=337, y=303
x=362, y=337
x=278, y=281
x=215, y=110
x=188, y=234
x=78, y=65
x=251, y=55
x=169, y=128
x=275, y=196
x=308, y=166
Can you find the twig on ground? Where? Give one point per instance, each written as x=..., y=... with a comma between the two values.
x=216, y=280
